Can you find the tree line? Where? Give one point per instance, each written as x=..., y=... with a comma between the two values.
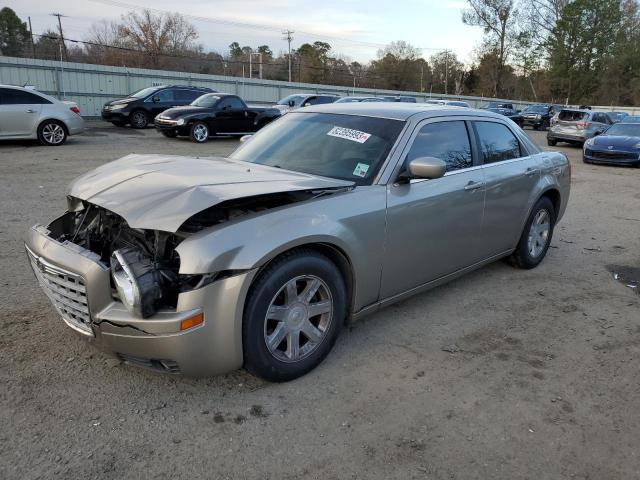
x=561, y=51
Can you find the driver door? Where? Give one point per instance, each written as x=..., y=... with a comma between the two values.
x=434, y=226
x=161, y=101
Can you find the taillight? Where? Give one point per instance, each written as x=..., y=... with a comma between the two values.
x=75, y=109
x=582, y=124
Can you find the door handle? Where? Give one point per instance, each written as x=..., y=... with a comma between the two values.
x=531, y=171
x=31, y=111
x=473, y=185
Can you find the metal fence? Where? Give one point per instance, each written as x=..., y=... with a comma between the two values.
x=90, y=86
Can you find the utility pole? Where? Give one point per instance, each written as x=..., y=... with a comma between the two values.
x=288, y=38
x=446, y=71
x=63, y=46
x=33, y=45
x=421, y=75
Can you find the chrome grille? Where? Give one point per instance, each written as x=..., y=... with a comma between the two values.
x=66, y=290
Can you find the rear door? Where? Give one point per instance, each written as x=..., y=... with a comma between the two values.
x=19, y=112
x=510, y=176
x=433, y=226
x=184, y=96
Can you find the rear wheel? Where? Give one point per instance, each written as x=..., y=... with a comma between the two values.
x=199, y=132
x=293, y=315
x=536, y=236
x=52, y=133
x=139, y=119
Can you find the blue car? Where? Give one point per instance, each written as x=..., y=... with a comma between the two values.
x=618, y=145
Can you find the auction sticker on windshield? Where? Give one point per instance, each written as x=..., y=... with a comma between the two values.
x=349, y=134
x=361, y=170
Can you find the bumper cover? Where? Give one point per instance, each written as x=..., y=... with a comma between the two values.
x=115, y=115
x=211, y=348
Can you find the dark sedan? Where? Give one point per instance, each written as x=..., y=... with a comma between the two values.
x=618, y=145
x=512, y=114
x=539, y=116
x=214, y=114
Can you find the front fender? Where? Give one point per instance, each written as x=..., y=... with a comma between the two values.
x=353, y=221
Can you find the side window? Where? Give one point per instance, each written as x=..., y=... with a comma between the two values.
x=322, y=99
x=164, y=95
x=310, y=101
x=497, y=142
x=448, y=141
x=236, y=103
x=224, y=103
x=10, y=96
x=186, y=95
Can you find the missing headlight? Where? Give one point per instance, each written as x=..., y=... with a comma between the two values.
x=137, y=281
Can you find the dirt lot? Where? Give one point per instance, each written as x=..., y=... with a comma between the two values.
x=503, y=374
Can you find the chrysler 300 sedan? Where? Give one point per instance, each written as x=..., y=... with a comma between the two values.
x=202, y=266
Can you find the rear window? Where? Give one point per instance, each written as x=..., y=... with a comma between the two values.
x=572, y=115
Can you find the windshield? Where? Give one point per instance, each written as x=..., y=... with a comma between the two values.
x=297, y=100
x=624, y=130
x=145, y=92
x=207, y=100
x=347, y=147
x=536, y=109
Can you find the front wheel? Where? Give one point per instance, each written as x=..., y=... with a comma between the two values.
x=536, y=236
x=139, y=119
x=199, y=132
x=293, y=315
x=551, y=142
x=52, y=133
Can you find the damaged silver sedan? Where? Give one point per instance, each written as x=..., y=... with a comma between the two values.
x=202, y=266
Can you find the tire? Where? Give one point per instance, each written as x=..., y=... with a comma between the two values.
x=536, y=127
x=118, y=123
x=266, y=339
x=139, y=119
x=551, y=142
x=52, y=133
x=199, y=132
x=528, y=254
x=169, y=134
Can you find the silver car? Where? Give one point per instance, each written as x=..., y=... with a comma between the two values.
x=202, y=266
x=28, y=114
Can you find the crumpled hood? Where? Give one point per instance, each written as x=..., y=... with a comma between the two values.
x=160, y=192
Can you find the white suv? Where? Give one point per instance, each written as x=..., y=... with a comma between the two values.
x=26, y=113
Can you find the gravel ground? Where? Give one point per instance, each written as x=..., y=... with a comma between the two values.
x=502, y=374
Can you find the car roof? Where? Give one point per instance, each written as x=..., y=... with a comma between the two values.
x=396, y=110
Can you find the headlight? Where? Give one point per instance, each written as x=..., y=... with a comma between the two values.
x=538, y=117
x=637, y=145
x=590, y=141
x=180, y=122
x=137, y=281
x=118, y=107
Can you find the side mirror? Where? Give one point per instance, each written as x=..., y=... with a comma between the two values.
x=306, y=104
x=155, y=99
x=292, y=103
x=245, y=138
x=426, y=167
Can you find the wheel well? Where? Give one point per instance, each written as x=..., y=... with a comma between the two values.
x=340, y=260
x=554, y=196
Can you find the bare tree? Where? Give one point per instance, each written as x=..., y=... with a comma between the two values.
x=157, y=35
x=497, y=18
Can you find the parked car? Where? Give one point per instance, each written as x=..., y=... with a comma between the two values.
x=304, y=100
x=453, y=103
x=617, y=116
x=358, y=99
x=399, y=98
x=617, y=145
x=632, y=119
x=29, y=114
x=214, y=114
x=203, y=265
x=575, y=126
x=491, y=105
x=539, y=116
x=139, y=108
x=510, y=113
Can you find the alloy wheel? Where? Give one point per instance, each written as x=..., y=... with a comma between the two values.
x=200, y=132
x=539, y=233
x=298, y=318
x=139, y=119
x=53, y=133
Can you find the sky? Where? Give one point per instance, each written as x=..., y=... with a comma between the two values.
x=356, y=29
